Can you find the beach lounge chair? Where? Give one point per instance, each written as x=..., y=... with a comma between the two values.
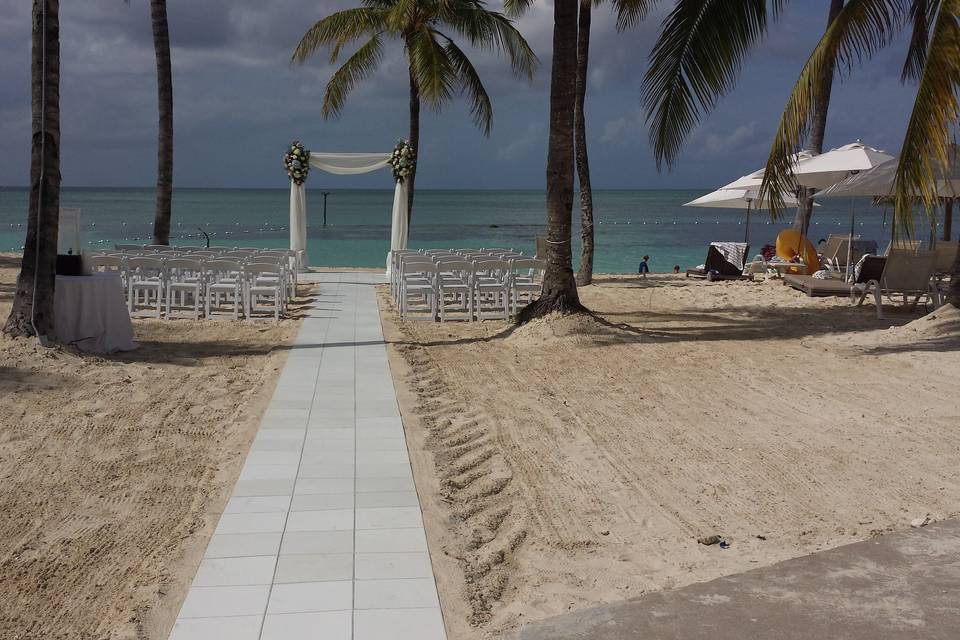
x=817, y=287
x=903, y=245
x=906, y=273
x=946, y=256
x=725, y=261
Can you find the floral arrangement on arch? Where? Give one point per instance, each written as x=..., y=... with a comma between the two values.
x=402, y=160
x=297, y=162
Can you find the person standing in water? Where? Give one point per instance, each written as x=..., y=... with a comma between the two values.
x=644, y=268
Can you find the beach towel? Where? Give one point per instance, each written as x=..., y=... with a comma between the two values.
x=726, y=258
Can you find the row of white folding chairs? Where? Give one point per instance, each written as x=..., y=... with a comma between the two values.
x=466, y=289
x=280, y=256
x=294, y=256
x=438, y=254
x=157, y=281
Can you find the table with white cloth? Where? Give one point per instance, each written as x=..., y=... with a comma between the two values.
x=90, y=312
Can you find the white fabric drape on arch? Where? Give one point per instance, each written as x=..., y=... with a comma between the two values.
x=346, y=164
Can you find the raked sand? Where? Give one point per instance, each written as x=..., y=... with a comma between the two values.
x=115, y=469
x=572, y=462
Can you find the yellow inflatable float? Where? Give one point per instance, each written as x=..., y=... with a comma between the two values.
x=788, y=248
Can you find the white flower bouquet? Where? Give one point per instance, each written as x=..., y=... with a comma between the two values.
x=297, y=162
x=402, y=160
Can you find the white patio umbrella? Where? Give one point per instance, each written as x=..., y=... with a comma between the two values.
x=725, y=198
x=827, y=169
x=753, y=180
x=880, y=182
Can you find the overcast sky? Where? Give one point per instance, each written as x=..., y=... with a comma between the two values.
x=238, y=102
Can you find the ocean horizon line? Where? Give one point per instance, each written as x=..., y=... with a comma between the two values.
x=379, y=189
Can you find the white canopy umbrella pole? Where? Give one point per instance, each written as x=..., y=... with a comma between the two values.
x=746, y=231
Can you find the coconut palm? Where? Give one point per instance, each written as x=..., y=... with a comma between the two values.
x=32, y=312
x=161, y=47
x=697, y=59
x=933, y=61
x=438, y=68
x=559, y=287
x=629, y=13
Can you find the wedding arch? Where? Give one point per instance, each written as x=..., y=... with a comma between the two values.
x=298, y=162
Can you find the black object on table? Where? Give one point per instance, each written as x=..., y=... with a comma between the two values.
x=69, y=265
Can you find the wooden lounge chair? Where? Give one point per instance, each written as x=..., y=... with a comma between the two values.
x=817, y=287
x=906, y=273
x=725, y=261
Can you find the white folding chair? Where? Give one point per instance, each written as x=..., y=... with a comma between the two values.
x=418, y=287
x=491, y=289
x=146, y=275
x=526, y=280
x=455, y=289
x=222, y=278
x=264, y=282
x=184, y=277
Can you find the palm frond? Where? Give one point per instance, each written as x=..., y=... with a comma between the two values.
x=434, y=73
x=516, y=8
x=481, y=108
x=858, y=31
x=695, y=61
x=358, y=66
x=490, y=30
x=630, y=13
x=337, y=29
x=922, y=14
x=402, y=15
x=925, y=154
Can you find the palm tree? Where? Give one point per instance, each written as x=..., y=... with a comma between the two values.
x=933, y=61
x=629, y=13
x=32, y=312
x=697, y=59
x=438, y=67
x=161, y=47
x=585, y=270
x=559, y=287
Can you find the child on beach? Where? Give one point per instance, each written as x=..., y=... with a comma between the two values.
x=644, y=269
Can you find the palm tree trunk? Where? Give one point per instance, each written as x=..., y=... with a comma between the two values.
x=39, y=263
x=818, y=129
x=585, y=271
x=161, y=46
x=559, y=288
x=947, y=218
x=953, y=293
x=414, y=137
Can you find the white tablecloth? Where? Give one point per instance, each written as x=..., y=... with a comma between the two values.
x=90, y=312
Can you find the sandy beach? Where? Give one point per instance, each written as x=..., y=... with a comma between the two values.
x=115, y=469
x=576, y=461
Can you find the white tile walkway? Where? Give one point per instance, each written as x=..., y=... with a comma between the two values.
x=323, y=537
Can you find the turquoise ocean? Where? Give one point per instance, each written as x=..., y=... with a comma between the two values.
x=629, y=224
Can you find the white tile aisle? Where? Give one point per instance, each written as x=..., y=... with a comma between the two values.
x=322, y=538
